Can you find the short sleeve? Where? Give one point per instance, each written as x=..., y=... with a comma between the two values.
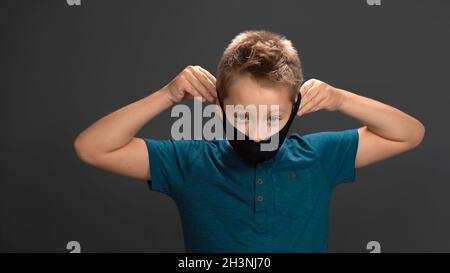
x=337, y=153
x=169, y=164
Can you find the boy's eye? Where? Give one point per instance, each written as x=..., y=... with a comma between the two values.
x=273, y=119
x=241, y=117
x=244, y=117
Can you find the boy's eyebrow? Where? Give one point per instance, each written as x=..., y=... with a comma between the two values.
x=279, y=111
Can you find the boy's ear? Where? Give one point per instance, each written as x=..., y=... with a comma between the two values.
x=296, y=98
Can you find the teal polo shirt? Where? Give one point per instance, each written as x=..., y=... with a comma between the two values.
x=280, y=205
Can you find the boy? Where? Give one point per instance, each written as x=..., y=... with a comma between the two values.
x=232, y=195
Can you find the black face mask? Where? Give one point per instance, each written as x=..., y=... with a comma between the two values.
x=252, y=151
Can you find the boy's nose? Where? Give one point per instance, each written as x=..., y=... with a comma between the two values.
x=257, y=139
x=261, y=132
x=256, y=136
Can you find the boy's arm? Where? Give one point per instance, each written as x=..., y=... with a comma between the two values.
x=110, y=143
x=387, y=131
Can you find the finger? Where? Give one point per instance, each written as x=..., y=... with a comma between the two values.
x=306, y=86
x=319, y=105
x=306, y=110
x=307, y=93
x=203, y=77
x=308, y=97
x=196, y=83
x=211, y=80
x=208, y=74
x=209, y=87
x=312, y=106
x=191, y=91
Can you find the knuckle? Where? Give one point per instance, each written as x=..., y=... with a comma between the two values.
x=187, y=72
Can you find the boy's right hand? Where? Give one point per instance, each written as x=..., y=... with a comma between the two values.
x=193, y=81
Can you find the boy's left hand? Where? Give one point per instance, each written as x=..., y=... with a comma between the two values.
x=317, y=95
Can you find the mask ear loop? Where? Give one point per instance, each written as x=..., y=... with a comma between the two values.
x=297, y=103
x=295, y=108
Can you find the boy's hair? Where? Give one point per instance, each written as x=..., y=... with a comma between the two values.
x=266, y=56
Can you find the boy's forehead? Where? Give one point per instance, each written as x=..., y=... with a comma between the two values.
x=245, y=90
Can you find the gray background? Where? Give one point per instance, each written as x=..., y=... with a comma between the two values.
x=63, y=67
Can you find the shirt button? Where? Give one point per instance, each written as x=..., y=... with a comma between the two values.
x=259, y=181
x=293, y=175
x=260, y=198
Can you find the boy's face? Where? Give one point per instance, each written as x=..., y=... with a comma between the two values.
x=272, y=107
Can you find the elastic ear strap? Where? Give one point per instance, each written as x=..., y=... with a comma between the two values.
x=220, y=101
x=296, y=105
